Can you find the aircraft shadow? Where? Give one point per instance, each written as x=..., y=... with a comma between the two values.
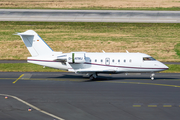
x=109, y=78
x=127, y=78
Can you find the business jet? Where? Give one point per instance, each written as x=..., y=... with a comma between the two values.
x=90, y=64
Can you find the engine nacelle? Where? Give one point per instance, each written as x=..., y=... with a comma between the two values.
x=62, y=58
x=76, y=57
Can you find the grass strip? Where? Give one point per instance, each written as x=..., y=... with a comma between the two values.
x=177, y=49
x=155, y=39
x=25, y=67
x=92, y=4
x=172, y=69
x=101, y=8
x=28, y=67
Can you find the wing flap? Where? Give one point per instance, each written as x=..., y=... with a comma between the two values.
x=96, y=71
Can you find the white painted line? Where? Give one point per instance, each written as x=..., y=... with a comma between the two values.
x=32, y=106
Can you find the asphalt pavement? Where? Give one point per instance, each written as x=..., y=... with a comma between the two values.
x=127, y=16
x=53, y=96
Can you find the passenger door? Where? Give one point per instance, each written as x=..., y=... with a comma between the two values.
x=107, y=61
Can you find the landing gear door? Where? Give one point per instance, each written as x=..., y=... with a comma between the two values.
x=107, y=61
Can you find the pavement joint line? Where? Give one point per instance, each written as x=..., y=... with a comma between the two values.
x=32, y=106
x=18, y=79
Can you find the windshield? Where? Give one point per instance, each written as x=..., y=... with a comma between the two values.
x=148, y=59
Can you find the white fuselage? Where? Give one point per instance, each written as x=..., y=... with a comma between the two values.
x=102, y=62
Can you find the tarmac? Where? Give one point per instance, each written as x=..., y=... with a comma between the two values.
x=59, y=96
x=127, y=16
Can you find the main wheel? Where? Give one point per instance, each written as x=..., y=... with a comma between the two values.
x=91, y=77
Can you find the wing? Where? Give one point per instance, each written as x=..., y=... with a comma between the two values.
x=96, y=71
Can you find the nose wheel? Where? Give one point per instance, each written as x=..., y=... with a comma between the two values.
x=152, y=76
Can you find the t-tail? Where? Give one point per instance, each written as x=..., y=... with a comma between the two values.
x=35, y=44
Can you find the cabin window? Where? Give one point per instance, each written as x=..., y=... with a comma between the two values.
x=90, y=60
x=101, y=60
x=119, y=61
x=95, y=60
x=148, y=59
x=112, y=60
x=130, y=60
x=124, y=60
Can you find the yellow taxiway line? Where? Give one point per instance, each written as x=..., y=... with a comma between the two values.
x=66, y=79
x=18, y=78
x=152, y=105
x=167, y=105
x=136, y=105
x=144, y=83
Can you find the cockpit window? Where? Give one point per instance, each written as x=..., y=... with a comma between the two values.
x=148, y=58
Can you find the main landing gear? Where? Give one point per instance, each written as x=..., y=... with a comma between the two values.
x=152, y=76
x=93, y=76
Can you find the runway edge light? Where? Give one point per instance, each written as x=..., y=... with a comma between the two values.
x=6, y=97
x=29, y=109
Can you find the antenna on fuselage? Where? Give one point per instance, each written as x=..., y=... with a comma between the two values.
x=127, y=51
x=103, y=51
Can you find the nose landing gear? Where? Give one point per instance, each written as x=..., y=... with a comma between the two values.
x=152, y=76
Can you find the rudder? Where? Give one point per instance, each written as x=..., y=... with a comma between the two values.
x=35, y=44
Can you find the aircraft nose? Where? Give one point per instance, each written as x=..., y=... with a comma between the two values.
x=161, y=66
x=164, y=66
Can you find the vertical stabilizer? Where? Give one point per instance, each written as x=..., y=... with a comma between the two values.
x=35, y=44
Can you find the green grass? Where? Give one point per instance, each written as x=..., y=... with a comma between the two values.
x=28, y=67
x=177, y=49
x=25, y=67
x=149, y=31
x=91, y=4
x=155, y=39
x=102, y=8
x=172, y=69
